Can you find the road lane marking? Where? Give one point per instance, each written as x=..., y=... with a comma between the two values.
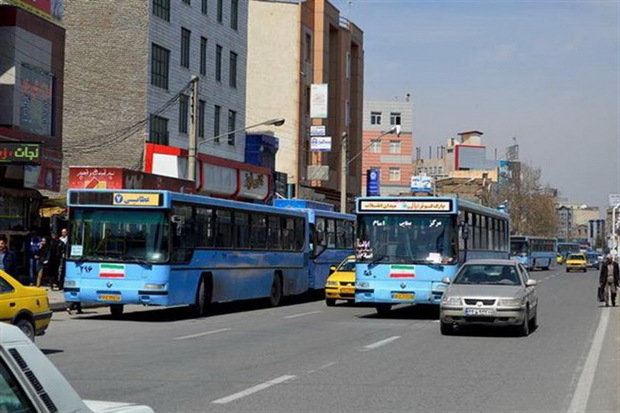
x=206, y=333
x=303, y=314
x=579, y=402
x=322, y=367
x=254, y=389
x=380, y=343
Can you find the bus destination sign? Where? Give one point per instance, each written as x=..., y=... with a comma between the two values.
x=135, y=199
x=20, y=153
x=409, y=206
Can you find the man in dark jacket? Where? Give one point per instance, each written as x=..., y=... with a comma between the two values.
x=609, y=280
x=8, y=259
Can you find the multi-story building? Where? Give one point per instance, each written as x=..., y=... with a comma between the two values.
x=292, y=47
x=129, y=68
x=32, y=49
x=391, y=154
x=574, y=220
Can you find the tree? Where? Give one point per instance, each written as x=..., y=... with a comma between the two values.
x=531, y=206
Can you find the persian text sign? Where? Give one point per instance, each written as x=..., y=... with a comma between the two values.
x=22, y=153
x=322, y=143
x=410, y=206
x=136, y=199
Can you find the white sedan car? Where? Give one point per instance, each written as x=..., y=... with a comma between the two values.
x=490, y=292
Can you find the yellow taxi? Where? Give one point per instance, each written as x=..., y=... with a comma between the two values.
x=576, y=262
x=559, y=259
x=26, y=307
x=341, y=283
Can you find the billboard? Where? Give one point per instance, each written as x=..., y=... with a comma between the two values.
x=318, y=100
x=51, y=10
x=373, y=182
x=421, y=183
x=36, y=108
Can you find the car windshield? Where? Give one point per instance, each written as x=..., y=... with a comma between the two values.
x=496, y=274
x=576, y=257
x=347, y=266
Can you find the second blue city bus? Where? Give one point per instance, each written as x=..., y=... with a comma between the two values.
x=162, y=248
x=407, y=245
x=534, y=252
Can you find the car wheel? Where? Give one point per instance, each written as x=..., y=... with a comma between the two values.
x=524, y=328
x=567, y=270
x=585, y=270
x=447, y=329
x=276, y=291
x=26, y=327
x=330, y=302
x=383, y=309
x=534, y=321
x=117, y=309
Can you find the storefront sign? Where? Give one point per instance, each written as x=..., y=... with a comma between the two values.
x=52, y=10
x=20, y=153
x=321, y=144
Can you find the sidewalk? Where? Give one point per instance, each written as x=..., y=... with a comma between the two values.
x=57, y=301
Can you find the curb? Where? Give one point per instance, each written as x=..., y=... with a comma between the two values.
x=62, y=306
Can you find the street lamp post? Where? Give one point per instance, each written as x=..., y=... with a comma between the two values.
x=344, y=163
x=191, y=160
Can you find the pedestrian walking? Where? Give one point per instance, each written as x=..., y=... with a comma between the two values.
x=8, y=259
x=609, y=280
x=32, y=250
x=45, y=261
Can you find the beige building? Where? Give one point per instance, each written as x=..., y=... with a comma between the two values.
x=293, y=45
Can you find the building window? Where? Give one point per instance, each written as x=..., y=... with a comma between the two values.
x=347, y=112
x=394, y=118
x=232, y=120
x=394, y=146
x=161, y=9
x=160, y=61
x=220, y=11
x=203, y=56
x=232, y=70
x=308, y=48
x=205, y=7
x=187, y=1
x=218, y=63
x=347, y=68
x=375, y=146
x=183, y=113
x=185, y=36
x=234, y=14
x=217, y=114
x=159, y=130
x=201, y=118
x=394, y=174
x=375, y=118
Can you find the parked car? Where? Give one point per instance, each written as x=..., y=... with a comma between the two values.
x=576, y=262
x=340, y=285
x=492, y=293
x=29, y=382
x=26, y=307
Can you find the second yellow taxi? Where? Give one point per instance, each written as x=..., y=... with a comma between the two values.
x=576, y=262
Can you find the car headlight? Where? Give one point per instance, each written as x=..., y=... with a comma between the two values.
x=362, y=284
x=332, y=283
x=511, y=302
x=451, y=300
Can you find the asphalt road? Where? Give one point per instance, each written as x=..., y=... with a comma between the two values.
x=306, y=357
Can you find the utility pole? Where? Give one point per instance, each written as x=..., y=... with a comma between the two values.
x=343, y=172
x=193, y=132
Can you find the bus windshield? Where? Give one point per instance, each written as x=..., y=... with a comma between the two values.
x=129, y=236
x=415, y=239
x=518, y=247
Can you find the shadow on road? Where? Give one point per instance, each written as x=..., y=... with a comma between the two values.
x=48, y=351
x=408, y=312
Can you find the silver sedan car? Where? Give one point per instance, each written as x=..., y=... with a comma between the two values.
x=490, y=292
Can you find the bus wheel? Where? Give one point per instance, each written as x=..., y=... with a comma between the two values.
x=116, y=309
x=276, y=291
x=203, y=297
x=383, y=309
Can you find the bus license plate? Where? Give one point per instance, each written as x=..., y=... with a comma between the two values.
x=109, y=297
x=402, y=296
x=479, y=311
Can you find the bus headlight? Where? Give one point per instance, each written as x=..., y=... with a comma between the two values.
x=362, y=284
x=69, y=283
x=154, y=286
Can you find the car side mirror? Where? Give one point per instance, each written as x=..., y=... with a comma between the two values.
x=531, y=283
x=446, y=280
x=332, y=269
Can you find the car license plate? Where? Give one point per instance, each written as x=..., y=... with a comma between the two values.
x=402, y=296
x=109, y=297
x=347, y=290
x=479, y=311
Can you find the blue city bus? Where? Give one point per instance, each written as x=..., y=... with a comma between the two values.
x=406, y=245
x=567, y=248
x=161, y=248
x=534, y=252
x=332, y=232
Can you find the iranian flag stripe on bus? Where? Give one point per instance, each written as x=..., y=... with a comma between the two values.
x=402, y=271
x=112, y=270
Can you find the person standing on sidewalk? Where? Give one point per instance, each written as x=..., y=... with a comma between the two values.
x=32, y=251
x=64, y=240
x=609, y=280
x=8, y=259
x=45, y=262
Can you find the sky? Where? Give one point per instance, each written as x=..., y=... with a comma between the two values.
x=544, y=72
